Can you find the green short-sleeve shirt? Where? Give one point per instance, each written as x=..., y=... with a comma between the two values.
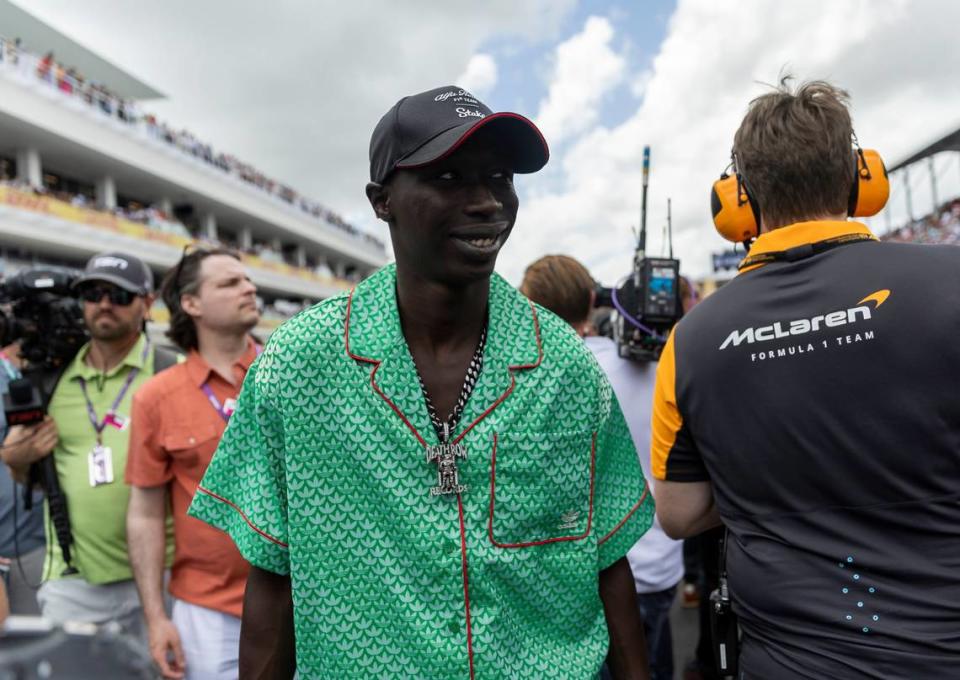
x=322, y=474
x=98, y=515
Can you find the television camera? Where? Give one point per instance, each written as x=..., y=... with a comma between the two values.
x=47, y=319
x=647, y=304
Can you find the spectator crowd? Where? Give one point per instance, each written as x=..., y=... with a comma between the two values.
x=71, y=83
x=940, y=226
x=154, y=217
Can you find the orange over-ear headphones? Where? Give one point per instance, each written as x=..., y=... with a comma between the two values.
x=737, y=217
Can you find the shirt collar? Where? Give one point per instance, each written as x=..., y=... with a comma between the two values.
x=802, y=233
x=135, y=358
x=199, y=370
x=373, y=321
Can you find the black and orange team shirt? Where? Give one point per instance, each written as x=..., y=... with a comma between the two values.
x=819, y=394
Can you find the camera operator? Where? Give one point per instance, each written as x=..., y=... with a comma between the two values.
x=565, y=287
x=86, y=430
x=811, y=403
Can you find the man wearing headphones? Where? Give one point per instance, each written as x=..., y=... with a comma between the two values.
x=811, y=404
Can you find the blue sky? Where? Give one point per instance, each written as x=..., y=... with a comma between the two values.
x=524, y=67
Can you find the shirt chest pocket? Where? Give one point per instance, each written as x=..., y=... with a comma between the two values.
x=192, y=445
x=541, y=488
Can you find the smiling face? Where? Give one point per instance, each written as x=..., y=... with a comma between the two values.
x=448, y=220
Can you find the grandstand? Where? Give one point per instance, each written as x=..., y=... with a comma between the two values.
x=85, y=167
x=940, y=223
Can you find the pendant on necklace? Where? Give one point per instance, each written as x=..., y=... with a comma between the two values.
x=448, y=477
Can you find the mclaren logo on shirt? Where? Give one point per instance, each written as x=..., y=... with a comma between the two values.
x=786, y=329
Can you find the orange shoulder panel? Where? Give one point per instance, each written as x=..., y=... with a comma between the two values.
x=665, y=420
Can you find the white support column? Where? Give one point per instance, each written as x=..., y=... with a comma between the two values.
x=245, y=238
x=208, y=226
x=29, y=167
x=907, y=194
x=933, y=186
x=300, y=255
x=106, y=193
x=277, y=244
x=166, y=205
x=340, y=269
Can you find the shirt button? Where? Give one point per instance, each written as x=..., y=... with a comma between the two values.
x=193, y=440
x=454, y=627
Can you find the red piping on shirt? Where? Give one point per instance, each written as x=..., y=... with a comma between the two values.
x=376, y=363
x=373, y=373
x=466, y=586
x=513, y=380
x=493, y=484
x=463, y=537
x=646, y=490
x=244, y=516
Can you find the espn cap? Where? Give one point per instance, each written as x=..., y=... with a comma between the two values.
x=120, y=269
x=424, y=128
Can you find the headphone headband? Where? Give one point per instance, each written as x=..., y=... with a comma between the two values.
x=736, y=215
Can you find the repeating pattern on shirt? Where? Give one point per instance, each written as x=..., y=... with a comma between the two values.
x=322, y=474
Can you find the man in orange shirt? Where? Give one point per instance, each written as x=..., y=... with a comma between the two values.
x=177, y=421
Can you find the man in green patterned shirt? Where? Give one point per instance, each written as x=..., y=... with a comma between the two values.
x=431, y=476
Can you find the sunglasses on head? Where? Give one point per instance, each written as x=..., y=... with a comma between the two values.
x=189, y=250
x=117, y=296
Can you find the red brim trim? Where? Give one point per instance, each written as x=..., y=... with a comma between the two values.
x=477, y=126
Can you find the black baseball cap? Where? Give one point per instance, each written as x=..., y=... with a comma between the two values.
x=424, y=128
x=126, y=271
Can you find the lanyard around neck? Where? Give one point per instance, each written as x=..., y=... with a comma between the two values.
x=98, y=424
x=212, y=398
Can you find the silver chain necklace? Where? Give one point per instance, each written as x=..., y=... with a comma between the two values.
x=445, y=454
x=445, y=427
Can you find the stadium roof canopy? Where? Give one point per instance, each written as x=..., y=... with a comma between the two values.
x=39, y=38
x=951, y=142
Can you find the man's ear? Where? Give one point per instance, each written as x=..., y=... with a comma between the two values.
x=148, y=301
x=379, y=197
x=190, y=304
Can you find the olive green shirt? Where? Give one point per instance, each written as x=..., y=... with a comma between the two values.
x=97, y=514
x=322, y=474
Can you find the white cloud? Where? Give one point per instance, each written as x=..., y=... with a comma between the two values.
x=897, y=61
x=638, y=84
x=585, y=68
x=296, y=90
x=480, y=75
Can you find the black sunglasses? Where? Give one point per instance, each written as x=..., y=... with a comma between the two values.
x=117, y=296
